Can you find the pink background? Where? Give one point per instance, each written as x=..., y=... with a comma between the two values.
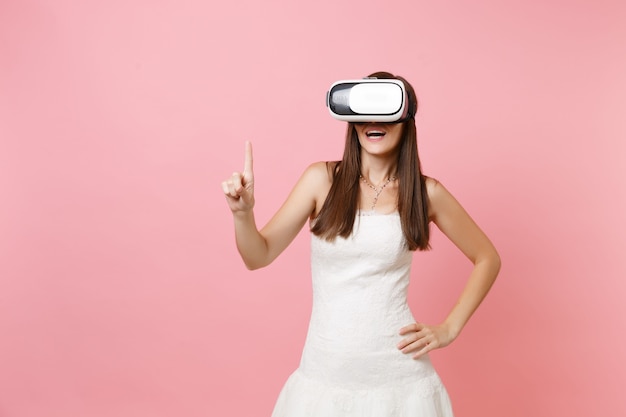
x=121, y=291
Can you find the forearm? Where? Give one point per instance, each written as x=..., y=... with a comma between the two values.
x=250, y=243
x=478, y=285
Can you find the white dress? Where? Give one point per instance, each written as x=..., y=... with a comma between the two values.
x=350, y=364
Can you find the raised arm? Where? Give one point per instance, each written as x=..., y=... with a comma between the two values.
x=258, y=248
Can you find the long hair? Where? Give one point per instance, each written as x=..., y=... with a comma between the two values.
x=336, y=218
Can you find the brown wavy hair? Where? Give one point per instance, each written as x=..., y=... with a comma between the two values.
x=336, y=218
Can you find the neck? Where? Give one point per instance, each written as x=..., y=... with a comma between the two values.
x=378, y=168
x=378, y=173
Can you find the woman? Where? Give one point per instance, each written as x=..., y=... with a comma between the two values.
x=365, y=355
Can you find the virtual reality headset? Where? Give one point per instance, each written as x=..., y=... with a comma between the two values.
x=368, y=100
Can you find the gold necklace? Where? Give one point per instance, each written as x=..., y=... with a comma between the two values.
x=377, y=190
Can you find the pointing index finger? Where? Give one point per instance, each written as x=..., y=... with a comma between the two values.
x=247, y=167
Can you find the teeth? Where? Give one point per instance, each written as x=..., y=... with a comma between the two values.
x=375, y=133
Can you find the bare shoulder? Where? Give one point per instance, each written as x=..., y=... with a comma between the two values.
x=434, y=189
x=431, y=185
x=438, y=197
x=319, y=172
x=318, y=178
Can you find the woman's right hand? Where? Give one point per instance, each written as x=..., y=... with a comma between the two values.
x=239, y=188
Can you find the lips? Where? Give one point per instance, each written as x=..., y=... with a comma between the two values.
x=375, y=134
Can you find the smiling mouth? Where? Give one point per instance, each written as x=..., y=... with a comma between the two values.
x=375, y=134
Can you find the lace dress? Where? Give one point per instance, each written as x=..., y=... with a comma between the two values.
x=350, y=364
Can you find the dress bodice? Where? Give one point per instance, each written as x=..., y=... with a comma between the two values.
x=362, y=278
